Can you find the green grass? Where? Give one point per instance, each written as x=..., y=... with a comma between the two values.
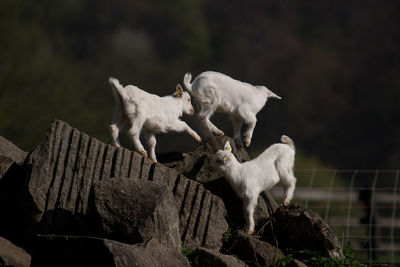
x=228, y=235
x=189, y=254
x=313, y=258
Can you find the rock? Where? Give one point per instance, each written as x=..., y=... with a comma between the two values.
x=135, y=211
x=59, y=174
x=11, y=255
x=298, y=229
x=213, y=258
x=89, y=251
x=201, y=215
x=254, y=251
x=9, y=154
x=198, y=165
x=11, y=180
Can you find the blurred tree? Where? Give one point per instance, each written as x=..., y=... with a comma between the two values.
x=335, y=63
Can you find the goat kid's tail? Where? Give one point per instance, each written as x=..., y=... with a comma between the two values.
x=271, y=94
x=287, y=140
x=186, y=81
x=118, y=90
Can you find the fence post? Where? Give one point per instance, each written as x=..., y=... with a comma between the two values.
x=328, y=205
x=350, y=203
x=394, y=214
x=372, y=227
x=310, y=185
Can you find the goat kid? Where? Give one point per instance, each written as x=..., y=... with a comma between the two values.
x=217, y=92
x=148, y=114
x=250, y=178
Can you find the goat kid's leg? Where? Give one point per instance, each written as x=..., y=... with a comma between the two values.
x=237, y=127
x=210, y=128
x=249, y=206
x=118, y=121
x=114, y=131
x=134, y=134
x=204, y=126
x=115, y=127
x=151, y=143
x=251, y=121
x=204, y=129
x=204, y=116
x=246, y=217
x=288, y=191
x=214, y=128
x=181, y=126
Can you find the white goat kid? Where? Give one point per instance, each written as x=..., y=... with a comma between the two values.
x=250, y=178
x=149, y=114
x=217, y=92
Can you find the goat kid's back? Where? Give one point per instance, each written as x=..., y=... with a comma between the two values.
x=225, y=91
x=278, y=150
x=276, y=162
x=134, y=101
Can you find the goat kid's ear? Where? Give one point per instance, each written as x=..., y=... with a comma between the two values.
x=179, y=90
x=227, y=146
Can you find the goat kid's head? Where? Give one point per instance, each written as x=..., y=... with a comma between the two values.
x=186, y=102
x=224, y=157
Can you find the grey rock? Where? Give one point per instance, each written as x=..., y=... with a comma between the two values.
x=198, y=164
x=11, y=255
x=89, y=251
x=135, y=211
x=9, y=154
x=201, y=215
x=297, y=228
x=213, y=258
x=254, y=251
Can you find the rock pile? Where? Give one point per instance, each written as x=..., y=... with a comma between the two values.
x=76, y=201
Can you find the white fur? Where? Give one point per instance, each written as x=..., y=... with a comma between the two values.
x=149, y=114
x=250, y=178
x=216, y=92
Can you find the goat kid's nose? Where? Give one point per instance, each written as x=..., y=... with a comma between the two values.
x=191, y=111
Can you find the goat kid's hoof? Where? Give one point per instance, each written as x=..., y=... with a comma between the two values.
x=198, y=139
x=143, y=153
x=250, y=232
x=247, y=143
x=114, y=144
x=221, y=133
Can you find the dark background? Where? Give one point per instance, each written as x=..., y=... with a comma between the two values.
x=334, y=63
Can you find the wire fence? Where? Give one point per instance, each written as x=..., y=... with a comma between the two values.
x=361, y=206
